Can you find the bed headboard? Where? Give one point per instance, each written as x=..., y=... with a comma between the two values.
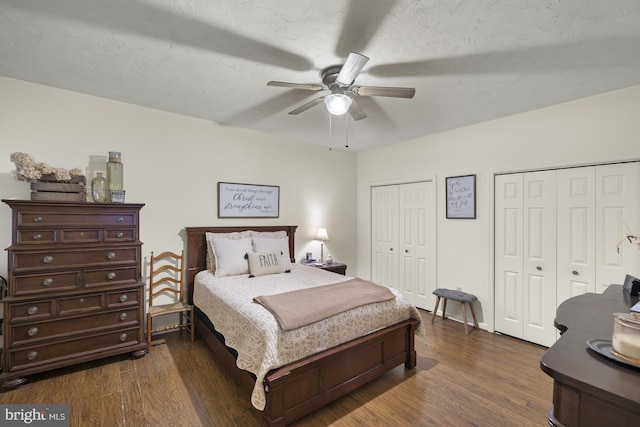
x=197, y=247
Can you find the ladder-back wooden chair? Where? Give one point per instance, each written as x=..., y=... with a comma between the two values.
x=165, y=279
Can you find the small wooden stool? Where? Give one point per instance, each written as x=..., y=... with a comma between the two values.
x=462, y=297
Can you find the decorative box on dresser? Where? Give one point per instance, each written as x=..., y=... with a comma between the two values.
x=75, y=286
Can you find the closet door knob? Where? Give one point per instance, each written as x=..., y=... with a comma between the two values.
x=575, y=273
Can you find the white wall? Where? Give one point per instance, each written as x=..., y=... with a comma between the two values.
x=596, y=129
x=172, y=163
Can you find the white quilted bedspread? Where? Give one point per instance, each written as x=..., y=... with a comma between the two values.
x=253, y=331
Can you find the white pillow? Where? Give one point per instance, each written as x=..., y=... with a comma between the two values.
x=210, y=258
x=263, y=244
x=230, y=256
x=261, y=263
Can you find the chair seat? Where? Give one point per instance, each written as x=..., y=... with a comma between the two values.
x=177, y=307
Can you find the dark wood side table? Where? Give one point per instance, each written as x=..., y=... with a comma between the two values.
x=335, y=267
x=590, y=389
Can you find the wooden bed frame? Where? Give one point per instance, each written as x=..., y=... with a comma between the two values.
x=301, y=387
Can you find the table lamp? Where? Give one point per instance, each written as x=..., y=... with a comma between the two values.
x=322, y=236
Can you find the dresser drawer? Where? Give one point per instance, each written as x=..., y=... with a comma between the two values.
x=124, y=298
x=80, y=304
x=34, y=310
x=111, y=277
x=89, y=235
x=36, y=237
x=31, y=333
x=44, y=283
x=120, y=235
x=59, y=216
x=22, y=358
x=73, y=258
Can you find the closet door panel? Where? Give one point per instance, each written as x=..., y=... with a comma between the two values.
x=508, y=257
x=539, y=253
x=384, y=205
x=576, y=232
x=416, y=242
x=617, y=213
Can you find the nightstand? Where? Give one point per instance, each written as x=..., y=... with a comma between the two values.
x=335, y=267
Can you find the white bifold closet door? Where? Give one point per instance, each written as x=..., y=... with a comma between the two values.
x=403, y=239
x=596, y=206
x=556, y=236
x=525, y=246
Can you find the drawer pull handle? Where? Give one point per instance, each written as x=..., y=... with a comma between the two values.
x=575, y=273
x=123, y=316
x=123, y=298
x=48, y=259
x=120, y=219
x=111, y=276
x=37, y=219
x=120, y=235
x=111, y=255
x=33, y=331
x=37, y=236
x=32, y=355
x=33, y=309
x=48, y=281
x=81, y=300
x=123, y=337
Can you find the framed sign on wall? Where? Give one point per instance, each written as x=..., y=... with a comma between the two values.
x=461, y=197
x=248, y=200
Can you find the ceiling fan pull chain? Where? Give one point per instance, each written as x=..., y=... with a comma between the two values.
x=330, y=133
x=346, y=130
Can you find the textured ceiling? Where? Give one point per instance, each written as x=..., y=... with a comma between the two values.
x=470, y=61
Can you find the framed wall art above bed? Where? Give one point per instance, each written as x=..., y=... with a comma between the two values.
x=248, y=200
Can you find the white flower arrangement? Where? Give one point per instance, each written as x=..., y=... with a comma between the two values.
x=27, y=169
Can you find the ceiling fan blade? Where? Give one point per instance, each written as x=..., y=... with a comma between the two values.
x=356, y=111
x=352, y=66
x=296, y=85
x=307, y=106
x=392, y=92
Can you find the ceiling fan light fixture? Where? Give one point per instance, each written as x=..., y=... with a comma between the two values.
x=337, y=103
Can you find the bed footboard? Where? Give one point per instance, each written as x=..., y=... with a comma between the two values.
x=300, y=388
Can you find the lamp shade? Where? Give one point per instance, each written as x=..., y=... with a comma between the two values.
x=337, y=103
x=322, y=234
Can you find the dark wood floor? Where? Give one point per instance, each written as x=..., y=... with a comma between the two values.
x=480, y=379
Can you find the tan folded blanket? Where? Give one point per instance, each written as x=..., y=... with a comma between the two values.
x=306, y=306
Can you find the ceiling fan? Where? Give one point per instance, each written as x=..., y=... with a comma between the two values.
x=339, y=80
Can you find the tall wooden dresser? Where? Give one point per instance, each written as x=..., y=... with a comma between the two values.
x=75, y=289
